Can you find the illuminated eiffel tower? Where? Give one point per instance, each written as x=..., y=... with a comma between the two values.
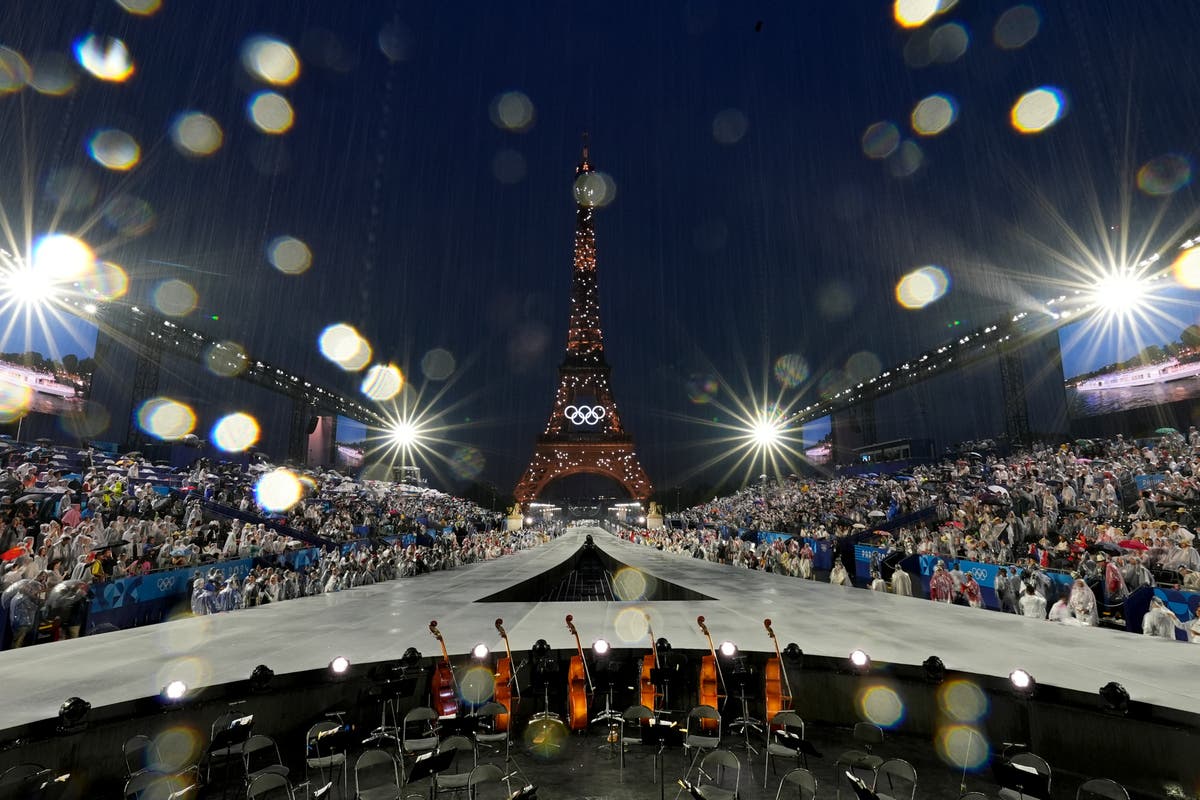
x=584, y=434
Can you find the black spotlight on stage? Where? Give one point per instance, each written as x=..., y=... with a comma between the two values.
x=663, y=645
x=411, y=658
x=935, y=670
x=1022, y=682
x=793, y=655
x=72, y=713
x=261, y=678
x=1116, y=699
x=860, y=662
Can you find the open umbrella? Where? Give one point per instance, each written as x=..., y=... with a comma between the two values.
x=12, y=554
x=876, y=514
x=1133, y=544
x=998, y=490
x=1159, y=431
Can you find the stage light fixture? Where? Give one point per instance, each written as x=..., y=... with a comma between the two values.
x=339, y=665
x=541, y=648
x=793, y=654
x=72, y=712
x=1022, y=681
x=663, y=645
x=935, y=670
x=1115, y=697
x=860, y=662
x=174, y=691
x=529, y=520
x=728, y=649
x=600, y=647
x=480, y=651
x=411, y=658
x=261, y=677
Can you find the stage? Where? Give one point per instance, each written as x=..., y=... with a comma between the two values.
x=379, y=622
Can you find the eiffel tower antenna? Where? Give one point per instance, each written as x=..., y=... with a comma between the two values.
x=584, y=433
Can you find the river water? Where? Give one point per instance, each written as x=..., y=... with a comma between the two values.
x=1107, y=401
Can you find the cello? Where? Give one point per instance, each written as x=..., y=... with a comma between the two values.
x=506, y=680
x=710, y=673
x=579, y=684
x=778, y=693
x=442, y=689
x=649, y=663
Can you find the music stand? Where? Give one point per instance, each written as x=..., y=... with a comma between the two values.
x=861, y=790
x=745, y=722
x=232, y=737
x=391, y=690
x=1026, y=781
x=795, y=741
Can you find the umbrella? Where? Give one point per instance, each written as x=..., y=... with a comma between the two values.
x=26, y=586
x=997, y=490
x=1133, y=544
x=876, y=513
x=44, y=440
x=858, y=526
x=13, y=554
x=1107, y=547
x=906, y=478
x=1159, y=431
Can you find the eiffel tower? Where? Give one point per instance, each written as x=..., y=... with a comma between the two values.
x=584, y=434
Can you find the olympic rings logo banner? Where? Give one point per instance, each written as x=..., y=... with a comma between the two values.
x=585, y=415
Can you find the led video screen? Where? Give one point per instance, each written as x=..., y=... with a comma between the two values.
x=350, y=444
x=49, y=358
x=817, y=438
x=1149, y=356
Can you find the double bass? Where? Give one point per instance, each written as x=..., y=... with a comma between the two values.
x=579, y=684
x=710, y=674
x=649, y=663
x=778, y=693
x=506, y=680
x=442, y=689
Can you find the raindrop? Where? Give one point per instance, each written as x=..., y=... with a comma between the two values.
x=934, y=114
x=278, y=490
x=106, y=281
x=382, y=382
x=115, y=150
x=289, y=255
x=594, y=189
x=467, y=463
x=128, y=215
x=438, y=364
x=15, y=399
x=861, y=366
x=105, y=58
x=227, y=359
x=1165, y=174
x=62, y=257
x=914, y=13
x=702, y=388
x=72, y=189
x=270, y=60
x=83, y=423
x=233, y=433
x=15, y=73
x=1037, y=110
x=1016, y=27
x=271, y=113
x=165, y=418
x=175, y=298
x=344, y=346
x=141, y=8
x=509, y=166
x=396, y=42
x=880, y=139
x=196, y=134
x=835, y=300
x=906, y=160
x=1186, y=268
x=513, y=112
x=921, y=287
x=729, y=126
x=949, y=43
x=53, y=74
x=791, y=370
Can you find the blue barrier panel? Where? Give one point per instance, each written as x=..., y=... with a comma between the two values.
x=145, y=598
x=1146, y=481
x=770, y=537
x=985, y=576
x=822, y=553
x=865, y=559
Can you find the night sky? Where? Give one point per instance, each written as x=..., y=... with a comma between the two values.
x=748, y=222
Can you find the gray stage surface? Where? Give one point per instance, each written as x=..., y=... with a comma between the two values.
x=377, y=623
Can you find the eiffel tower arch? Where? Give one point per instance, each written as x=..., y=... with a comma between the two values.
x=584, y=434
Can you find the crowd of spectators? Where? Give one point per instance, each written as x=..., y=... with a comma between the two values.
x=1073, y=508
x=67, y=525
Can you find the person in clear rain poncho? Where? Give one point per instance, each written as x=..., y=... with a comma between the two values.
x=941, y=585
x=971, y=591
x=1160, y=621
x=877, y=582
x=901, y=583
x=1083, y=603
x=838, y=575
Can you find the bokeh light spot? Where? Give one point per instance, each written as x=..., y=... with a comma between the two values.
x=467, y=463
x=962, y=701
x=396, y=42
x=15, y=72
x=702, y=388
x=196, y=134
x=233, y=433
x=729, y=126
x=344, y=346
x=107, y=281
x=509, y=166
x=862, y=365
x=1165, y=174
x=15, y=399
x=438, y=364
x=128, y=215
x=594, y=189
x=629, y=584
x=62, y=258
x=105, y=58
x=880, y=139
x=914, y=13
x=1037, y=110
x=1016, y=27
x=167, y=419
x=1186, y=268
x=175, y=298
x=278, y=490
x=270, y=60
x=476, y=685
x=140, y=8
x=922, y=286
x=178, y=747
x=289, y=255
x=53, y=74
x=271, y=113
x=832, y=381
x=962, y=747
x=907, y=159
x=85, y=422
x=881, y=705
x=791, y=370
x=949, y=43
x=72, y=189
x=544, y=738
x=630, y=625
x=835, y=300
x=227, y=359
x=513, y=112
x=934, y=114
x=382, y=382
x=115, y=150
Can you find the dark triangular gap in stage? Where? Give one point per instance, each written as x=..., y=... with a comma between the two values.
x=591, y=574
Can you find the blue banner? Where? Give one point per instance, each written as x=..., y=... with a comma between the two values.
x=822, y=553
x=866, y=559
x=770, y=537
x=1146, y=481
x=985, y=576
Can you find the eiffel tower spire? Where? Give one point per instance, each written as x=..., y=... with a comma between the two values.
x=584, y=433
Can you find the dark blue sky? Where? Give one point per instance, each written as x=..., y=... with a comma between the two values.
x=716, y=257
